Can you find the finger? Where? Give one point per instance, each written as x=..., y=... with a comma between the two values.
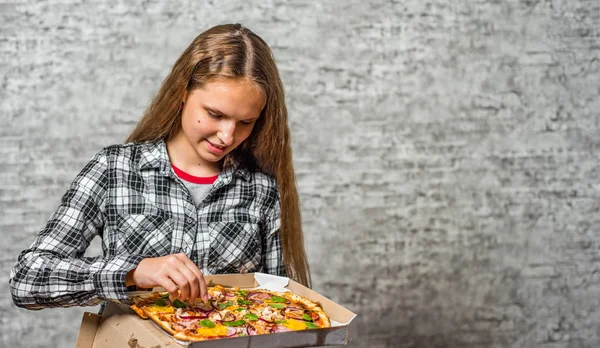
x=203, y=287
x=198, y=277
x=168, y=285
x=192, y=281
x=182, y=282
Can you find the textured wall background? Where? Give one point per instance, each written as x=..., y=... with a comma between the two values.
x=446, y=151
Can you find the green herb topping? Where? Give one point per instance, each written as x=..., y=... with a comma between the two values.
x=225, y=305
x=311, y=326
x=242, y=302
x=251, y=316
x=177, y=303
x=234, y=323
x=207, y=323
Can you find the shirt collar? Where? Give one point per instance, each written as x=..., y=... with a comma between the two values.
x=155, y=156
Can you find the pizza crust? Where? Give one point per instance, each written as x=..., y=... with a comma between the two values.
x=139, y=311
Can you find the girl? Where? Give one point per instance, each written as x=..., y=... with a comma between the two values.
x=204, y=185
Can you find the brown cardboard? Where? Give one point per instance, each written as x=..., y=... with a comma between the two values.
x=119, y=326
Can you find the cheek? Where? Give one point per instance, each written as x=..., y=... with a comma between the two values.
x=244, y=134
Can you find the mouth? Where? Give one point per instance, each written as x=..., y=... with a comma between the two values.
x=214, y=148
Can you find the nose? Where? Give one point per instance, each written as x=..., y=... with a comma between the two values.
x=226, y=133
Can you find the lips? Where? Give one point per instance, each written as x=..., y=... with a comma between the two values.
x=215, y=149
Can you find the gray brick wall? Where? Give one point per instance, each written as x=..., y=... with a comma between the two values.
x=446, y=151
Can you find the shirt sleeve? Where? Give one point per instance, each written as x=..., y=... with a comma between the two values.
x=273, y=257
x=53, y=272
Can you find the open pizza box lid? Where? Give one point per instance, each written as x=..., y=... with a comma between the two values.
x=119, y=326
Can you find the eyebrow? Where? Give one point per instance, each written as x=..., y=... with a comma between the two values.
x=220, y=113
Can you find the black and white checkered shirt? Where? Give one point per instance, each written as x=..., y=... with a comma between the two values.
x=130, y=196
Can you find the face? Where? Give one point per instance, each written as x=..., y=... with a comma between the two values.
x=215, y=120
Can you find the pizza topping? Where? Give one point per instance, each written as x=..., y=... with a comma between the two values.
x=294, y=324
x=280, y=328
x=190, y=317
x=226, y=304
x=231, y=331
x=251, y=316
x=213, y=331
x=292, y=312
x=160, y=309
x=227, y=315
x=266, y=321
x=179, y=304
x=258, y=296
x=311, y=326
x=231, y=312
x=278, y=299
x=207, y=323
x=266, y=313
x=216, y=316
x=251, y=331
x=242, y=302
x=314, y=316
x=234, y=323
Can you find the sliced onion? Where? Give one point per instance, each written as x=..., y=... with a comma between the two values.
x=231, y=331
x=250, y=331
x=266, y=321
x=280, y=328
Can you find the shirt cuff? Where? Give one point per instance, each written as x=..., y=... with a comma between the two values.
x=110, y=281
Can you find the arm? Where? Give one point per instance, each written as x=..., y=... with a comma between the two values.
x=53, y=271
x=273, y=256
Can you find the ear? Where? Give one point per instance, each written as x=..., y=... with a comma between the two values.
x=185, y=96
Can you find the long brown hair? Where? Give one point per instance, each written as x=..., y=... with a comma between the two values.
x=233, y=51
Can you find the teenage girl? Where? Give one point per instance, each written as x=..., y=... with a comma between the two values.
x=203, y=185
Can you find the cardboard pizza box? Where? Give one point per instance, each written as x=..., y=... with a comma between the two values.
x=119, y=326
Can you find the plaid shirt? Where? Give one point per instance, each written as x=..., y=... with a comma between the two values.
x=130, y=196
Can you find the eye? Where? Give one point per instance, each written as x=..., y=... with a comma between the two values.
x=214, y=115
x=246, y=122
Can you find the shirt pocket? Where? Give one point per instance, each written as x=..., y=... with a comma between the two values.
x=235, y=247
x=143, y=234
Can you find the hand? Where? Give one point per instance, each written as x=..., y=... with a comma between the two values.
x=173, y=273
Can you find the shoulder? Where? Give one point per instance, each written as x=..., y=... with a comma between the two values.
x=129, y=150
x=130, y=154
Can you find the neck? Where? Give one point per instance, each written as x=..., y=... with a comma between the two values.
x=183, y=155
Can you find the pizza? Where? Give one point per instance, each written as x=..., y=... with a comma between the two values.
x=231, y=312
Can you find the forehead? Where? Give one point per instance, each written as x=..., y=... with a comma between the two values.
x=239, y=98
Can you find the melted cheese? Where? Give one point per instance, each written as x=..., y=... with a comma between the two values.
x=161, y=309
x=218, y=330
x=293, y=324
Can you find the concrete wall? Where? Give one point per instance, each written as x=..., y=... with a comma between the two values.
x=446, y=151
